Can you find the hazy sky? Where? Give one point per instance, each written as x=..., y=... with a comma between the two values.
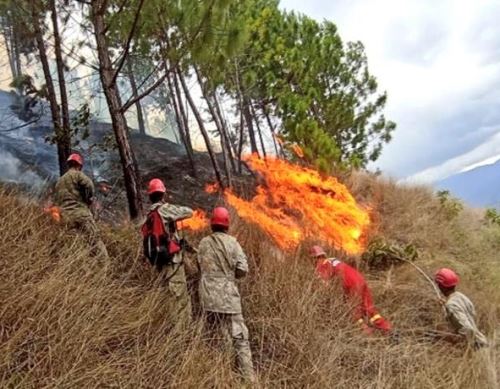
x=440, y=64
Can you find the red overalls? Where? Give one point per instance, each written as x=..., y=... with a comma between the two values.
x=356, y=289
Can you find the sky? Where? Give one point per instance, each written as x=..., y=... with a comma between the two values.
x=439, y=62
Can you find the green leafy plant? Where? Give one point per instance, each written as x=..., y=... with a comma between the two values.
x=382, y=254
x=450, y=205
x=492, y=216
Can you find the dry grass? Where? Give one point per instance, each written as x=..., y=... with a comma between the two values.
x=67, y=320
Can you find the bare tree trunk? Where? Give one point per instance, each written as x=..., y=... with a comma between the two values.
x=225, y=130
x=65, y=138
x=182, y=111
x=129, y=164
x=180, y=123
x=63, y=149
x=254, y=114
x=248, y=119
x=241, y=140
x=135, y=94
x=10, y=47
x=218, y=124
x=271, y=128
x=203, y=130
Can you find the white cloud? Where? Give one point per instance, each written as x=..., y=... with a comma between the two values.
x=439, y=62
x=468, y=161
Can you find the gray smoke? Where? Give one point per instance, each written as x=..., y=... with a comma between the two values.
x=13, y=170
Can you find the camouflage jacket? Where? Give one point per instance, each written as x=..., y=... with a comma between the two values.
x=171, y=214
x=461, y=315
x=73, y=194
x=219, y=256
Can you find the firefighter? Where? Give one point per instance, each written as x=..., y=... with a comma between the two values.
x=222, y=261
x=74, y=194
x=460, y=312
x=355, y=289
x=173, y=272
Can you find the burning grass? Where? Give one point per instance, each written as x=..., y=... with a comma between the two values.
x=67, y=320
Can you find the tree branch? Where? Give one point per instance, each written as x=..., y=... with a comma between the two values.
x=126, y=49
x=132, y=101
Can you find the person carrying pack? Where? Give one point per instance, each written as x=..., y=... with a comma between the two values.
x=163, y=248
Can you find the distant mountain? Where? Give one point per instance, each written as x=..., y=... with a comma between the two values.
x=479, y=187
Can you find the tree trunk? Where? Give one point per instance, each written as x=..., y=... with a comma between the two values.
x=248, y=119
x=129, y=164
x=8, y=36
x=135, y=94
x=182, y=111
x=180, y=123
x=254, y=114
x=271, y=128
x=240, y=141
x=63, y=151
x=218, y=124
x=65, y=138
x=225, y=131
x=203, y=130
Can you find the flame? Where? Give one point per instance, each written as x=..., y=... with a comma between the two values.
x=294, y=147
x=54, y=212
x=196, y=222
x=297, y=150
x=279, y=139
x=298, y=203
x=212, y=188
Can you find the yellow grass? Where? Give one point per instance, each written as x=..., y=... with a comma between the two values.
x=67, y=320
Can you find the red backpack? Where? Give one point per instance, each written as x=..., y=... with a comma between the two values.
x=159, y=247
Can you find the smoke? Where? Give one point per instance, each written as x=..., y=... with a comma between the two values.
x=13, y=170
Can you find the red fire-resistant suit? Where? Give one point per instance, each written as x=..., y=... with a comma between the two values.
x=355, y=289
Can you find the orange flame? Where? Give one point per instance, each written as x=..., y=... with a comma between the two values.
x=299, y=203
x=197, y=222
x=54, y=212
x=212, y=188
x=279, y=139
x=297, y=150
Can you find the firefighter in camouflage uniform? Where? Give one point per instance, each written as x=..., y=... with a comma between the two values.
x=74, y=194
x=173, y=272
x=221, y=261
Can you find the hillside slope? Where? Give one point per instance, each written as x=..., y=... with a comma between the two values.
x=67, y=320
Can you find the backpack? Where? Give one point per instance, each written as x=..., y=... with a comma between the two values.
x=159, y=247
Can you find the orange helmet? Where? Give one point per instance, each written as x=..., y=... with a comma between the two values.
x=75, y=157
x=317, y=251
x=446, y=278
x=220, y=217
x=156, y=185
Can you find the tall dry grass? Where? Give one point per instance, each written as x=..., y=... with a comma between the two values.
x=69, y=320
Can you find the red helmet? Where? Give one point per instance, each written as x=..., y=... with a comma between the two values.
x=75, y=158
x=156, y=185
x=317, y=251
x=446, y=278
x=220, y=217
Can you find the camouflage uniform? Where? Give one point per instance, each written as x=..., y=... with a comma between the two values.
x=73, y=194
x=461, y=315
x=221, y=260
x=175, y=273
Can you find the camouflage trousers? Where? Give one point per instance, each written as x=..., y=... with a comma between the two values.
x=235, y=333
x=88, y=228
x=179, y=299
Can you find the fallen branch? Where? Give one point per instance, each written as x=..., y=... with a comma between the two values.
x=438, y=293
